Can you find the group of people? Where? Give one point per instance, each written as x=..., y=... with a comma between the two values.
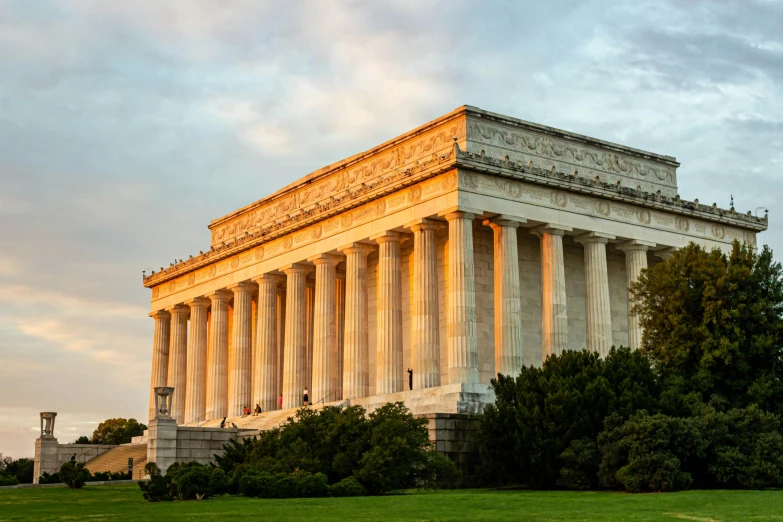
x=305, y=402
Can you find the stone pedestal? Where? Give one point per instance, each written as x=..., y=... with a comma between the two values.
x=46, y=453
x=162, y=442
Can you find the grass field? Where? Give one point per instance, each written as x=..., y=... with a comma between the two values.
x=125, y=502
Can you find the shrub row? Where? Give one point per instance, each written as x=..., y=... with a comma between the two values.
x=298, y=485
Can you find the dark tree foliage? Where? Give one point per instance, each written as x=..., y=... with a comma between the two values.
x=713, y=325
x=20, y=470
x=538, y=415
x=82, y=440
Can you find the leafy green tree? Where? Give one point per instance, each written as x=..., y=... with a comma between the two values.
x=713, y=325
x=82, y=440
x=20, y=469
x=117, y=431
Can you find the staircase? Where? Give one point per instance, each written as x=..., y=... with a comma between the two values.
x=116, y=460
x=264, y=421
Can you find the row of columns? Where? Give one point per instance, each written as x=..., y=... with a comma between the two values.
x=316, y=335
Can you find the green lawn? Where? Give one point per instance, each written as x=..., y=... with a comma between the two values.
x=125, y=502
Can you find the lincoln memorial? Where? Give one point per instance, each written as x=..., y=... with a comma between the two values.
x=470, y=246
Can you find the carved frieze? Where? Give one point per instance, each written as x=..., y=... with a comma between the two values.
x=544, y=151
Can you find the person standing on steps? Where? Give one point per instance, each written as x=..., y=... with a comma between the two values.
x=280, y=402
x=223, y=423
x=410, y=378
x=306, y=397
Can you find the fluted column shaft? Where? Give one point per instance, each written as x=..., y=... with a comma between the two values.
x=240, y=363
x=265, y=354
x=598, y=309
x=160, y=355
x=217, y=356
x=196, y=391
x=280, y=364
x=339, y=344
x=389, y=371
x=635, y=262
x=324, y=326
x=425, y=333
x=508, y=304
x=295, y=336
x=355, y=358
x=178, y=360
x=461, y=325
x=307, y=370
x=554, y=314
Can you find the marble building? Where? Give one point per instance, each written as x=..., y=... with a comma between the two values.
x=472, y=245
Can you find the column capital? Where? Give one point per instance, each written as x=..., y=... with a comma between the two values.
x=197, y=302
x=220, y=295
x=594, y=237
x=504, y=220
x=325, y=259
x=635, y=245
x=553, y=229
x=423, y=224
x=388, y=237
x=244, y=286
x=352, y=248
x=664, y=253
x=268, y=278
x=178, y=309
x=460, y=212
x=296, y=268
x=160, y=314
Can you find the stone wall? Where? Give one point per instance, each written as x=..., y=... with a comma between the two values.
x=456, y=436
x=50, y=455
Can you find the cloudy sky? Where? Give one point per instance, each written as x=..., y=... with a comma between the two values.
x=126, y=126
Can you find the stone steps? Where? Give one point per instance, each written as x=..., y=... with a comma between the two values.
x=116, y=460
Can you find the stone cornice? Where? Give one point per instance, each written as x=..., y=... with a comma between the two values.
x=596, y=187
x=464, y=160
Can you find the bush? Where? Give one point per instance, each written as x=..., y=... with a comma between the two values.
x=255, y=484
x=580, y=465
x=73, y=475
x=311, y=485
x=347, y=487
x=8, y=480
x=21, y=469
x=439, y=472
x=646, y=452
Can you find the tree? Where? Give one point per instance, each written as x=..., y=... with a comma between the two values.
x=82, y=440
x=20, y=470
x=537, y=416
x=713, y=325
x=117, y=431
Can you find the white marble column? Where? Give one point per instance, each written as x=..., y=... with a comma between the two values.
x=178, y=360
x=160, y=355
x=281, y=301
x=355, y=357
x=339, y=334
x=461, y=325
x=635, y=262
x=196, y=391
x=241, y=357
x=307, y=370
x=217, y=356
x=554, y=314
x=324, y=349
x=425, y=332
x=265, y=353
x=598, y=305
x=388, y=352
x=508, y=301
x=295, y=335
